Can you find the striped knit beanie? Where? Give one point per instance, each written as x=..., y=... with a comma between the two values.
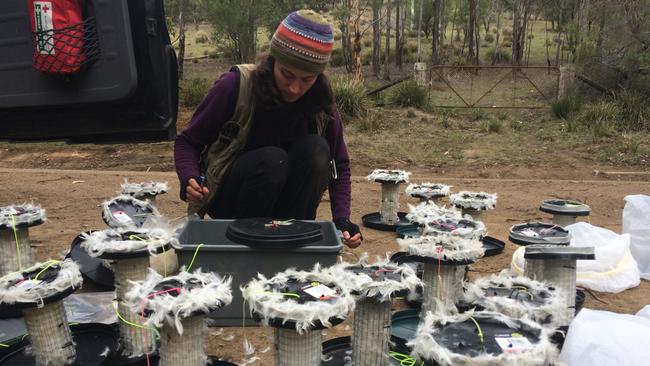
x=303, y=40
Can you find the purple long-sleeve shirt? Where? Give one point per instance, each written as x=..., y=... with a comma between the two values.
x=270, y=127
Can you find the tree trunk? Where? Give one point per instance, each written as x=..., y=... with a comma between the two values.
x=357, y=41
x=471, y=28
x=418, y=59
x=398, y=46
x=387, y=49
x=181, y=37
x=583, y=29
x=435, y=37
x=495, y=57
x=559, y=35
x=376, y=37
x=346, y=44
x=520, y=21
x=600, y=50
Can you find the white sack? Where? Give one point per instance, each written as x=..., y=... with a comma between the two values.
x=614, y=269
x=603, y=338
x=636, y=222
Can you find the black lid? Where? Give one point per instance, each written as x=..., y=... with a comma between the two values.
x=403, y=326
x=91, y=268
x=463, y=337
x=559, y=252
x=373, y=221
x=95, y=344
x=539, y=233
x=122, y=208
x=267, y=233
x=519, y=293
x=45, y=274
x=173, y=287
x=298, y=291
x=565, y=207
x=20, y=210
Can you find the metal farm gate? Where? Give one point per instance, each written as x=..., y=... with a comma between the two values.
x=523, y=87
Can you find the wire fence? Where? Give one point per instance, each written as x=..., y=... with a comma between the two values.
x=522, y=87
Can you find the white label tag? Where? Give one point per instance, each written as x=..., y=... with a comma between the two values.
x=43, y=23
x=122, y=217
x=28, y=284
x=319, y=291
x=513, y=342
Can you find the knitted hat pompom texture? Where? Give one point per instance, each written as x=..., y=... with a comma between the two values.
x=303, y=40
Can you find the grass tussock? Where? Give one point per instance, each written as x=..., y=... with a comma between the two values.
x=564, y=107
x=351, y=97
x=192, y=91
x=409, y=94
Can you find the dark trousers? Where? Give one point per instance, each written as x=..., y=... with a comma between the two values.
x=274, y=182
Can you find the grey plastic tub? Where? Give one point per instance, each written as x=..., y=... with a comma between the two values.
x=221, y=255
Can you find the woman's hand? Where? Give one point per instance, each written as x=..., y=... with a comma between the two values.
x=195, y=191
x=352, y=241
x=351, y=234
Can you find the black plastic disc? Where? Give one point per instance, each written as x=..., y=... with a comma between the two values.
x=92, y=340
x=91, y=268
x=266, y=233
x=21, y=211
x=298, y=291
x=492, y=246
x=463, y=337
x=373, y=221
x=402, y=329
x=47, y=275
x=565, y=207
x=410, y=231
x=137, y=214
x=538, y=233
x=154, y=361
x=336, y=349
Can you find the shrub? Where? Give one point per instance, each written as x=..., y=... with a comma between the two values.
x=489, y=37
x=563, y=107
x=600, y=117
x=336, y=59
x=201, y=37
x=409, y=94
x=634, y=110
x=516, y=125
x=477, y=114
x=367, y=43
x=368, y=123
x=351, y=98
x=193, y=90
x=506, y=44
x=490, y=126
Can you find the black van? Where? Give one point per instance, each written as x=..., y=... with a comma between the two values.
x=126, y=88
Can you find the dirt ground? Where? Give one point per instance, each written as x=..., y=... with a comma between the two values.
x=72, y=199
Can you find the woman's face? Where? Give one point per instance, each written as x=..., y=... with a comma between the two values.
x=293, y=83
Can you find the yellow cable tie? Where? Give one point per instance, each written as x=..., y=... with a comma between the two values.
x=478, y=327
x=49, y=263
x=196, y=251
x=13, y=226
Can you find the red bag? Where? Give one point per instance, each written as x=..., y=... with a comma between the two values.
x=58, y=35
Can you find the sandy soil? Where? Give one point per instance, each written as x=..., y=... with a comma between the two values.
x=72, y=199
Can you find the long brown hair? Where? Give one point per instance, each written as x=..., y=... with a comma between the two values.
x=318, y=101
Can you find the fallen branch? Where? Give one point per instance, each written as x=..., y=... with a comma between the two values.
x=386, y=86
